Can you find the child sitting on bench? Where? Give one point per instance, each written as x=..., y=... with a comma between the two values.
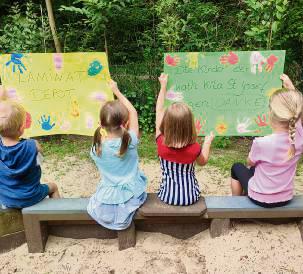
x=273, y=159
x=122, y=188
x=20, y=172
x=178, y=151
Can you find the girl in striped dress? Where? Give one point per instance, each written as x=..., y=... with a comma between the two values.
x=178, y=151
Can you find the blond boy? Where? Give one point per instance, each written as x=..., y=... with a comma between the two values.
x=20, y=172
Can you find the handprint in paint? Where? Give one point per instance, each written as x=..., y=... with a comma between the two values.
x=261, y=121
x=271, y=60
x=242, y=126
x=75, y=112
x=58, y=61
x=172, y=95
x=28, y=120
x=46, y=123
x=95, y=68
x=89, y=121
x=230, y=58
x=172, y=61
x=199, y=124
x=16, y=61
x=256, y=62
x=192, y=60
x=98, y=96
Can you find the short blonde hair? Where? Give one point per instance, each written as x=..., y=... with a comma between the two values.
x=12, y=118
x=286, y=109
x=178, y=127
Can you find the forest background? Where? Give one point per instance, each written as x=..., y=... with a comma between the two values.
x=136, y=33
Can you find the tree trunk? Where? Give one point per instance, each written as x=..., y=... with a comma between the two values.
x=52, y=24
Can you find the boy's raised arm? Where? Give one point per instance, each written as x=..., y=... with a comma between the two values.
x=133, y=116
x=160, y=102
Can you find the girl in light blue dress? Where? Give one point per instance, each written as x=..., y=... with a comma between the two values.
x=122, y=188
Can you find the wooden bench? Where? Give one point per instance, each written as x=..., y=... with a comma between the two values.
x=178, y=221
x=11, y=229
x=51, y=215
x=37, y=220
x=220, y=209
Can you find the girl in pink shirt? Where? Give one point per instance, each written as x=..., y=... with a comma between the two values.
x=273, y=158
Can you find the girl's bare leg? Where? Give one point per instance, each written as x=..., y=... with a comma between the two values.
x=236, y=188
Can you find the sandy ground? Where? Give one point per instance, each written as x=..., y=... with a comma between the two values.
x=248, y=248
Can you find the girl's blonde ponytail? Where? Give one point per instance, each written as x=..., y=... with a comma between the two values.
x=292, y=137
x=285, y=110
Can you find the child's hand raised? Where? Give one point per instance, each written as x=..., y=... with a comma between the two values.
x=163, y=80
x=113, y=85
x=287, y=83
x=209, y=138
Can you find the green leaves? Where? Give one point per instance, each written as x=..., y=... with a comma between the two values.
x=265, y=21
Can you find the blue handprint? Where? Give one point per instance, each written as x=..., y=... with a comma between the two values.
x=95, y=68
x=45, y=123
x=16, y=60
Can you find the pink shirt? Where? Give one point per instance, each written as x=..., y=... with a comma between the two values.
x=274, y=175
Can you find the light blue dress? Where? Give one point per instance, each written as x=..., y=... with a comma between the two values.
x=122, y=188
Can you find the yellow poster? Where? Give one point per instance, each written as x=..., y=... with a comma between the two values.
x=61, y=92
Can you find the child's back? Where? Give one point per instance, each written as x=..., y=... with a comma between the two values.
x=178, y=151
x=121, y=176
x=20, y=175
x=20, y=171
x=122, y=188
x=179, y=184
x=269, y=181
x=274, y=173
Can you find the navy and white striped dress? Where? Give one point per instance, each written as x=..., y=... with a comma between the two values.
x=179, y=185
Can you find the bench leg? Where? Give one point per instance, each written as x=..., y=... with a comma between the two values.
x=127, y=237
x=300, y=225
x=36, y=233
x=219, y=227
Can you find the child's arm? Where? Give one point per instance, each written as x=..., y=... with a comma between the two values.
x=133, y=116
x=3, y=93
x=250, y=162
x=287, y=83
x=204, y=155
x=160, y=102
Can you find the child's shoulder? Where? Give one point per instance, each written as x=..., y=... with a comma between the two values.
x=265, y=141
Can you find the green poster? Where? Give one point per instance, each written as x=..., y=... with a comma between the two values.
x=228, y=92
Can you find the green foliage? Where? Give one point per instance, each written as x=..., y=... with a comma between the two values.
x=266, y=20
x=24, y=29
x=141, y=90
x=96, y=13
x=221, y=142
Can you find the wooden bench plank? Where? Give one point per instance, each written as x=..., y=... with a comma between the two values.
x=154, y=207
x=233, y=207
x=58, y=206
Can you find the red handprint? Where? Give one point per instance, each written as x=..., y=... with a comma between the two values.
x=230, y=58
x=261, y=122
x=28, y=120
x=199, y=124
x=271, y=60
x=172, y=61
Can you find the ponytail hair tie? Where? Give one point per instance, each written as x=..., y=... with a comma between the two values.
x=103, y=132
